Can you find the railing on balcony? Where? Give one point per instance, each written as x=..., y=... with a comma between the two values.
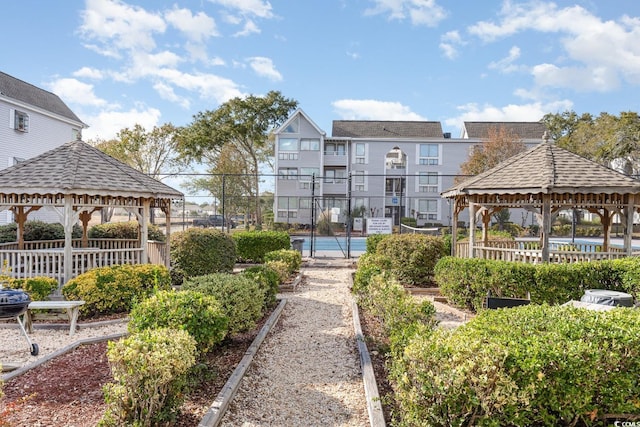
x=529, y=251
x=46, y=258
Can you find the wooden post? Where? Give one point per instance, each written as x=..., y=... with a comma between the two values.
x=454, y=227
x=628, y=235
x=472, y=229
x=144, y=229
x=69, y=216
x=85, y=217
x=167, y=233
x=546, y=226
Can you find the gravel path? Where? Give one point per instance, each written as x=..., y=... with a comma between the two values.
x=307, y=372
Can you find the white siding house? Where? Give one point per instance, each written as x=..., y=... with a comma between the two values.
x=32, y=121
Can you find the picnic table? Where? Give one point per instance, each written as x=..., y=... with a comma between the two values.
x=71, y=307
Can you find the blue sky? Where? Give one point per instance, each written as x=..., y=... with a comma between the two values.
x=118, y=63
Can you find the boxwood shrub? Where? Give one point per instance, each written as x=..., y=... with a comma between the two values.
x=369, y=265
x=241, y=299
x=38, y=288
x=291, y=257
x=200, y=315
x=531, y=365
x=149, y=371
x=114, y=289
x=413, y=256
x=124, y=230
x=465, y=281
x=268, y=280
x=199, y=251
x=37, y=230
x=253, y=245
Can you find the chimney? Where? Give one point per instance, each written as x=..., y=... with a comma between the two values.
x=447, y=135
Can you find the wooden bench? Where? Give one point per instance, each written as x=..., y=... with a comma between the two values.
x=72, y=308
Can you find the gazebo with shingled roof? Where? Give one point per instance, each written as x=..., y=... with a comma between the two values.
x=545, y=180
x=75, y=180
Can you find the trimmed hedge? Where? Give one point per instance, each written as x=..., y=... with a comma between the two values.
x=369, y=265
x=252, y=246
x=291, y=257
x=124, y=230
x=268, y=280
x=115, y=289
x=36, y=231
x=202, y=316
x=413, y=256
x=38, y=288
x=530, y=365
x=199, y=251
x=241, y=299
x=372, y=242
x=466, y=281
x=149, y=371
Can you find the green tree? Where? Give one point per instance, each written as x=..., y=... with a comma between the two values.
x=152, y=152
x=244, y=123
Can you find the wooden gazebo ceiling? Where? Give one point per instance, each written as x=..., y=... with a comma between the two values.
x=547, y=169
x=82, y=171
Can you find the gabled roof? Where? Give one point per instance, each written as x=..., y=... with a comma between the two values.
x=292, y=117
x=386, y=129
x=525, y=130
x=32, y=95
x=78, y=168
x=547, y=169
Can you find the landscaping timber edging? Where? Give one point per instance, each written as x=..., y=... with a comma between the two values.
x=216, y=411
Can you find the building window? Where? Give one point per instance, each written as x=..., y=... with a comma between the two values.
x=332, y=149
x=293, y=126
x=361, y=153
x=359, y=181
x=335, y=176
x=17, y=160
x=76, y=134
x=428, y=182
x=428, y=209
x=287, y=144
x=287, y=173
x=309, y=144
x=287, y=156
x=305, y=203
x=306, y=174
x=428, y=154
x=21, y=121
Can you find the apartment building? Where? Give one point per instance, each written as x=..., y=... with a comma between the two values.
x=390, y=169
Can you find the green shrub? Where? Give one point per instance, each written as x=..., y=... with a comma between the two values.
x=268, y=280
x=36, y=231
x=201, y=315
x=413, y=256
x=114, y=289
x=253, y=245
x=410, y=221
x=149, y=371
x=124, y=230
x=369, y=265
x=280, y=268
x=373, y=240
x=38, y=288
x=241, y=298
x=531, y=365
x=199, y=251
x=291, y=257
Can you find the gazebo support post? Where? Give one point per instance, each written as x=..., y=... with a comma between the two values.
x=472, y=229
x=68, y=216
x=546, y=226
x=167, y=233
x=454, y=227
x=605, y=220
x=486, y=218
x=628, y=234
x=144, y=231
x=85, y=217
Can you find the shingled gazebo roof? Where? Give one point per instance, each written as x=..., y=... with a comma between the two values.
x=78, y=168
x=547, y=169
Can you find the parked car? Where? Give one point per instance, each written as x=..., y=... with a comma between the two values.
x=213, y=221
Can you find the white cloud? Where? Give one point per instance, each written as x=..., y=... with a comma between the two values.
x=371, y=109
x=107, y=124
x=449, y=43
x=249, y=28
x=506, y=65
x=264, y=67
x=419, y=12
x=258, y=8
x=89, y=73
x=76, y=92
x=197, y=27
x=119, y=26
x=166, y=92
x=208, y=86
x=530, y=112
x=600, y=52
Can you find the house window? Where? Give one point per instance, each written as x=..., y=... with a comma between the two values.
x=287, y=173
x=287, y=144
x=428, y=154
x=359, y=181
x=335, y=176
x=361, y=153
x=293, y=126
x=307, y=174
x=76, y=135
x=428, y=182
x=428, y=209
x=332, y=149
x=305, y=203
x=309, y=144
x=21, y=121
x=17, y=160
x=287, y=156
